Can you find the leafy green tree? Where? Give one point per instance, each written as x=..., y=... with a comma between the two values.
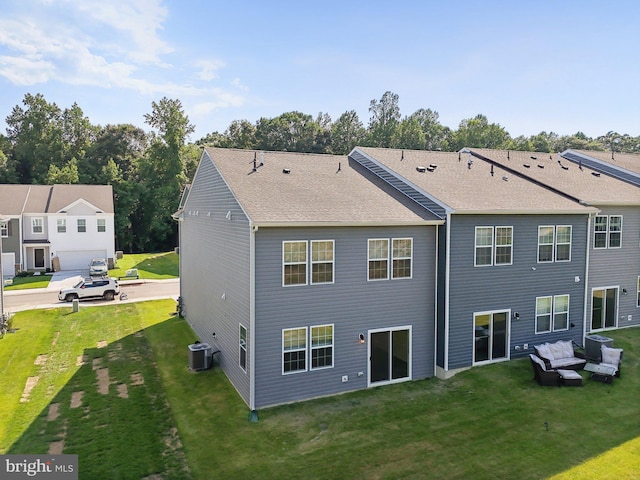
x=346, y=133
x=435, y=134
x=124, y=144
x=78, y=134
x=66, y=174
x=240, y=134
x=289, y=132
x=409, y=135
x=385, y=118
x=36, y=136
x=479, y=133
x=162, y=176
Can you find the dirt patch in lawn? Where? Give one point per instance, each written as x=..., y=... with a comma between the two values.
x=123, y=391
x=81, y=360
x=30, y=385
x=102, y=375
x=41, y=360
x=102, y=344
x=76, y=399
x=137, y=379
x=97, y=363
x=55, y=339
x=54, y=412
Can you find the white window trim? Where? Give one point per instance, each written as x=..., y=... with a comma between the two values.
x=4, y=229
x=410, y=258
x=242, y=347
x=553, y=244
x=495, y=248
x=312, y=262
x=305, y=349
x=306, y=263
x=312, y=348
x=638, y=293
x=476, y=246
x=607, y=232
x=555, y=247
x=37, y=221
x=101, y=222
x=78, y=225
x=61, y=222
x=369, y=259
x=552, y=319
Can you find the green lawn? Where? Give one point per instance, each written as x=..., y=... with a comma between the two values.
x=149, y=265
x=489, y=422
x=24, y=283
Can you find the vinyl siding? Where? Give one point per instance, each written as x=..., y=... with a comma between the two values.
x=215, y=270
x=512, y=287
x=352, y=303
x=618, y=267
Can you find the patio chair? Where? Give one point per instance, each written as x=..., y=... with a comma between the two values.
x=612, y=357
x=542, y=375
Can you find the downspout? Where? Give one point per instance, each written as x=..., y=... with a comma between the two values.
x=435, y=307
x=253, y=415
x=446, y=294
x=586, y=277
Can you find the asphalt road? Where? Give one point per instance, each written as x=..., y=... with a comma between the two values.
x=136, y=290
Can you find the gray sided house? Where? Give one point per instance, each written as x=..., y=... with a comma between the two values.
x=310, y=279
x=512, y=254
x=613, y=279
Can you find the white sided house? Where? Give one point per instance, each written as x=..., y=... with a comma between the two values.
x=56, y=227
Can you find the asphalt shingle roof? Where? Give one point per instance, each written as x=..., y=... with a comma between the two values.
x=561, y=174
x=19, y=199
x=473, y=188
x=318, y=189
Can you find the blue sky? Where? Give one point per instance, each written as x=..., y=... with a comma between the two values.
x=562, y=66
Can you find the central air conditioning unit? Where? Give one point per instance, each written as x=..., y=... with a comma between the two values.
x=200, y=356
x=592, y=347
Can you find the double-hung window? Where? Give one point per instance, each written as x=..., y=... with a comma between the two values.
x=294, y=350
x=552, y=313
x=554, y=243
x=102, y=225
x=295, y=262
x=607, y=231
x=82, y=225
x=243, y=347
x=493, y=246
x=4, y=229
x=384, y=253
x=321, y=347
x=322, y=261
x=62, y=225
x=37, y=225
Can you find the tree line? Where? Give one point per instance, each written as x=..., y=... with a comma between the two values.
x=45, y=144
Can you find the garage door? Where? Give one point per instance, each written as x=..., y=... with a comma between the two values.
x=79, y=260
x=8, y=264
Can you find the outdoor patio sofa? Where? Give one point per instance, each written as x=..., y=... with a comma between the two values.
x=560, y=355
x=553, y=378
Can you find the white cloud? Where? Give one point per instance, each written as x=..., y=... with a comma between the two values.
x=208, y=69
x=222, y=99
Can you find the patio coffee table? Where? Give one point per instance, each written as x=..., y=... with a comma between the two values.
x=601, y=373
